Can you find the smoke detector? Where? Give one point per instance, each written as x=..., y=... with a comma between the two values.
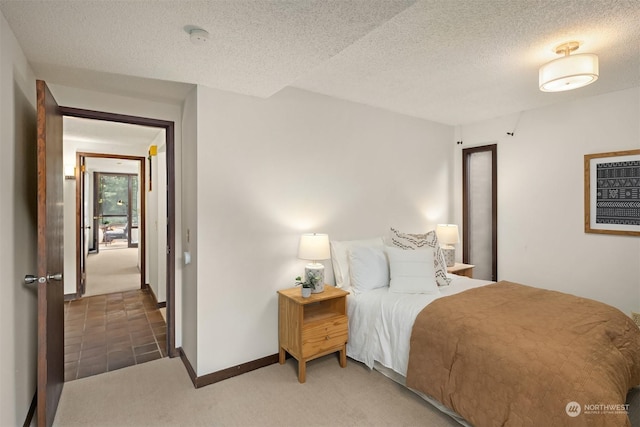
x=197, y=35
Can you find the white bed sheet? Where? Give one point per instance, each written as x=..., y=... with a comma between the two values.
x=380, y=322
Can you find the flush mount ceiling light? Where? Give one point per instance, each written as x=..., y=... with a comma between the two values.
x=570, y=71
x=196, y=34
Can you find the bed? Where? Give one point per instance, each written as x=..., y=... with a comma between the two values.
x=484, y=377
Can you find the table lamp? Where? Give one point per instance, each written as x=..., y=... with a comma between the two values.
x=314, y=247
x=447, y=237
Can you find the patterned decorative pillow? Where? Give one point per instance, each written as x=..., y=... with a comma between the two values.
x=419, y=241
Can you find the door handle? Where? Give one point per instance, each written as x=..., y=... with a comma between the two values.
x=30, y=278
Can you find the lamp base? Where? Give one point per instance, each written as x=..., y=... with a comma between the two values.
x=449, y=256
x=314, y=274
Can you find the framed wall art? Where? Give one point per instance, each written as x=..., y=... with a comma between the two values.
x=612, y=193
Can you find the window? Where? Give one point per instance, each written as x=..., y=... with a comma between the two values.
x=480, y=210
x=116, y=202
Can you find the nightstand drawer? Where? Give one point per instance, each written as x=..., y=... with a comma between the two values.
x=324, y=336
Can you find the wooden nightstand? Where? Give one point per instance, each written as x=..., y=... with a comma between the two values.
x=312, y=327
x=461, y=269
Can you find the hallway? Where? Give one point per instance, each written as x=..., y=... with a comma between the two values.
x=114, y=269
x=108, y=332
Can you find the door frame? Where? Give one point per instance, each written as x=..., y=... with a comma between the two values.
x=142, y=246
x=169, y=128
x=466, y=152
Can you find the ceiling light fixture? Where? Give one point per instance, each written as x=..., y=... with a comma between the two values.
x=570, y=71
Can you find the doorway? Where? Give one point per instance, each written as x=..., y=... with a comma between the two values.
x=50, y=248
x=116, y=322
x=113, y=248
x=168, y=189
x=480, y=210
x=116, y=202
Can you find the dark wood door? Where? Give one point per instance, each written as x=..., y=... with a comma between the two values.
x=50, y=256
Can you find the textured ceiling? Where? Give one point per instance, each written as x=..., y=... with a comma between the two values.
x=87, y=132
x=463, y=61
x=451, y=61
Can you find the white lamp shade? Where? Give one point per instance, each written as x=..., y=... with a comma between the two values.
x=568, y=72
x=314, y=247
x=447, y=234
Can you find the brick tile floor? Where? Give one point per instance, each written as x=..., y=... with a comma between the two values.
x=108, y=332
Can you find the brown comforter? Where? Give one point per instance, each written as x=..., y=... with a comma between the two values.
x=513, y=355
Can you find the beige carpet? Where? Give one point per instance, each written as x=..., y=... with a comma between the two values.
x=159, y=393
x=112, y=270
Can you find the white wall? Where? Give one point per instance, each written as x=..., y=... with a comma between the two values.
x=152, y=228
x=269, y=170
x=189, y=232
x=99, y=101
x=157, y=222
x=69, y=240
x=18, y=223
x=160, y=189
x=541, y=238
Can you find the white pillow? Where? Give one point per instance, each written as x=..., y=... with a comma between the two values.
x=340, y=258
x=368, y=268
x=412, y=272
